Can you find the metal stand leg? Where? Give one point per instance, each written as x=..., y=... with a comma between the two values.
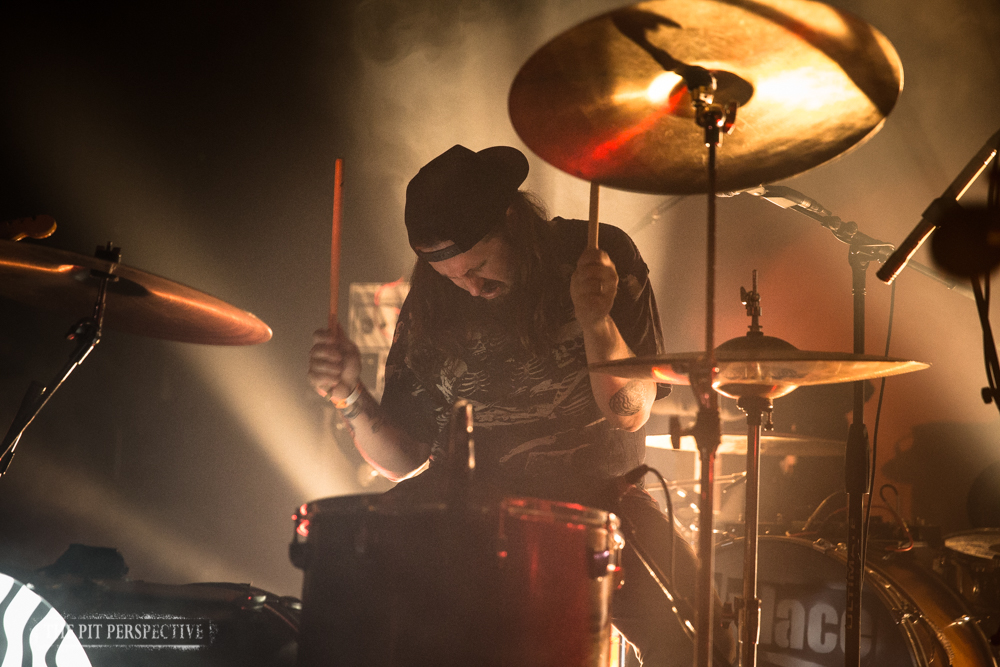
x=749, y=605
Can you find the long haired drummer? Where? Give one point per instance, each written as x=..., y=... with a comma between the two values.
x=506, y=310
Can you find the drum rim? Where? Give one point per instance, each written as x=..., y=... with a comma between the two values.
x=513, y=505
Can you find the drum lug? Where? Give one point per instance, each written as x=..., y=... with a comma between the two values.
x=730, y=611
x=601, y=563
x=501, y=549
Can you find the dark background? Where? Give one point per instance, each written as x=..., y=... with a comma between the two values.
x=201, y=137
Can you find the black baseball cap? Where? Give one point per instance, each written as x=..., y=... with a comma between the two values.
x=460, y=196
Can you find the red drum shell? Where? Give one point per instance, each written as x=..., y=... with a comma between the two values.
x=523, y=583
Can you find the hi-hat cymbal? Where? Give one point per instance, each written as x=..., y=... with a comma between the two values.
x=605, y=101
x=137, y=302
x=770, y=445
x=778, y=368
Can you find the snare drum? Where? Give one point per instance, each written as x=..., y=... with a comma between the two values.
x=523, y=583
x=908, y=617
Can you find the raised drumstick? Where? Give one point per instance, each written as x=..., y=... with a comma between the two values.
x=592, y=223
x=338, y=204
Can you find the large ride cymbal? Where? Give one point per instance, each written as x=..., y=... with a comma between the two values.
x=605, y=101
x=779, y=370
x=137, y=302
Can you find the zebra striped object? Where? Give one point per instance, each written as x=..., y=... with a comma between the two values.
x=33, y=633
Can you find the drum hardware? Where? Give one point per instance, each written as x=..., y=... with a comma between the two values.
x=755, y=401
x=522, y=582
x=36, y=227
x=87, y=334
x=910, y=616
x=606, y=101
x=970, y=563
x=138, y=302
x=461, y=461
x=458, y=580
x=846, y=232
x=777, y=368
x=863, y=249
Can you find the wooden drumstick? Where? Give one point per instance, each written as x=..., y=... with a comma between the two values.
x=592, y=224
x=338, y=203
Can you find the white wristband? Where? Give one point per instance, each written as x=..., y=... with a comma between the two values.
x=347, y=402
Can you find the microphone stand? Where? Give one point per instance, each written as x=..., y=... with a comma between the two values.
x=87, y=334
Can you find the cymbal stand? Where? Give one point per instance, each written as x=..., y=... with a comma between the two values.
x=87, y=334
x=756, y=405
x=857, y=472
x=707, y=429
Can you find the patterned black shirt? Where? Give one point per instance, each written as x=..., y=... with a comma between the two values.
x=538, y=430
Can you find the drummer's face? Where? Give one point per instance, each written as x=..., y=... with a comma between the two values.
x=485, y=270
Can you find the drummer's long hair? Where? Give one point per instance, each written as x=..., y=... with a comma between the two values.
x=444, y=318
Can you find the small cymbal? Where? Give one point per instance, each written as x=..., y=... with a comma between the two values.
x=137, y=302
x=783, y=370
x=605, y=101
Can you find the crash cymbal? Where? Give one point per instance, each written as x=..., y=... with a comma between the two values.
x=782, y=370
x=605, y=100
x=137, y=302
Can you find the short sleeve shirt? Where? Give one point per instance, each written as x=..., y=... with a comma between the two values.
x=537, y=427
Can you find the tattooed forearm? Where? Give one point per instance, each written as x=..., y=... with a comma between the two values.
x=628, y=400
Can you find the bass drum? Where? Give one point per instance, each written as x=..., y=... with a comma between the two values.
x=522, y=583
x=908, y=617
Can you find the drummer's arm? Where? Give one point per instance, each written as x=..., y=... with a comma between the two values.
x=335, y=374
x=392, y=452
x=623, y=402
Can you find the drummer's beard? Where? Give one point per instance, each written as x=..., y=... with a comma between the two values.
x=500, y=311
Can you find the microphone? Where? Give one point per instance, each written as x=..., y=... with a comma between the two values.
x=939, y=210
x=782, y=196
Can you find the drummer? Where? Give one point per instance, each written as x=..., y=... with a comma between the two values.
x=506, y=309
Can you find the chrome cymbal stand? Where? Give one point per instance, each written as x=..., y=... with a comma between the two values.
x=87, y=334
x=715, y=120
